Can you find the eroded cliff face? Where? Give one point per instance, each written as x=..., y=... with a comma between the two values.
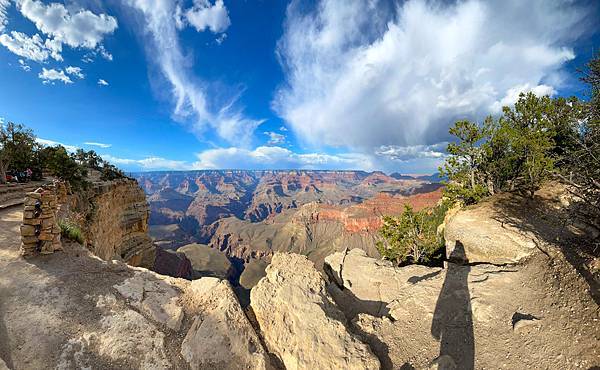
x=113, y=217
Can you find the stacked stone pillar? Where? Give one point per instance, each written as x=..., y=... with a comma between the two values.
x=40, y=233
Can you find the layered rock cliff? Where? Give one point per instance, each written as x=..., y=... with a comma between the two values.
x=113, y=216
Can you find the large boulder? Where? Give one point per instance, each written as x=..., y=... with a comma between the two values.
x=300, y=322
x=487, y=235
x=368, y=285
x=221, y=336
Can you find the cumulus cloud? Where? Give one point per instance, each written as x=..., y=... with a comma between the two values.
x=405, y=153
x=101, y=145
x=204, y=16
x=80, y=28
x=24, y=66
x=367, y=74
x=33, y=48
x=189, y=94
x=75, y=71
x=50, y=75
x=275, y=138
x=4, y=4
x=274, y=157
x=512, y=95
x=102, y=82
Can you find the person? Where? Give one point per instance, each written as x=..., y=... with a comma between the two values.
x=28, y=173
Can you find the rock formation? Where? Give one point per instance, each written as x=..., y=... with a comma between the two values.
x=300, y=322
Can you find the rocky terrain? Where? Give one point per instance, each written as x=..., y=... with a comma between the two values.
x=250, y=215
x=537, y=309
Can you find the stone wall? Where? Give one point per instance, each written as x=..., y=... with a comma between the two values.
x=40, y=232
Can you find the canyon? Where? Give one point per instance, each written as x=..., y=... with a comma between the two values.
x=515, y=267
x=250, y=215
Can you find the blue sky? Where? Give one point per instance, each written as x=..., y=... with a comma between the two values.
x=326, y=84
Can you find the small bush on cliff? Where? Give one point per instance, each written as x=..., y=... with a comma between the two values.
x=412, y=237
x=71, y=231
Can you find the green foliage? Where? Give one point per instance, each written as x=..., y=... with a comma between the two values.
x=412, y=237
x=57, y=160
x=516, y=152
x=17, y=148
x=71, y=231
x=580, y=167
x=463, y=164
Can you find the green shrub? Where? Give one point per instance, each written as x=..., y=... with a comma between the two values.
x=412, y=237
x=71, y=231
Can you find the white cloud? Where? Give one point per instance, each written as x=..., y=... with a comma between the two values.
x=102, y=82
x=274, y=157
x=283, y=128
x=275, y=138
x=24, y=66
x=33, y=48
x=221, y=38
x=150, y=163
x=190, y=95
x=406, y=153
x=46, y=142
x=512, y=95
x=366, y=74
x=51, y=75
x=204, y=16
x=101, y=145
x=4, y=4
x=80, y=28
x=75, y=71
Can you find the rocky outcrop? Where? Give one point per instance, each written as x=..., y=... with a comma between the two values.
x=221, y=336
x=300, y=322
x=173, y=264
x=117, y=223
x=207, y=261
x=72, y=310
x=368, y=285
x=487, y=235
x=429, y=317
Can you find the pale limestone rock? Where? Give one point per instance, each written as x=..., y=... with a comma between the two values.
x=300, y=322
x=369, y=285
x=221, y=336
x=155, y=296
x=3, y=365
x=486, y=236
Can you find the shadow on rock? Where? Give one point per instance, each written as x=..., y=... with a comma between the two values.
x=452, y=320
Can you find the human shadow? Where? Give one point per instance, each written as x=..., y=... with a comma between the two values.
x=452, y=320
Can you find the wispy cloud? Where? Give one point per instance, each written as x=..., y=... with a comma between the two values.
x=149, y=163
x=46, y=142
x=161, y=23
x=275, y=138
x=24, y=66
x=101, y=145
x=102, y=82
